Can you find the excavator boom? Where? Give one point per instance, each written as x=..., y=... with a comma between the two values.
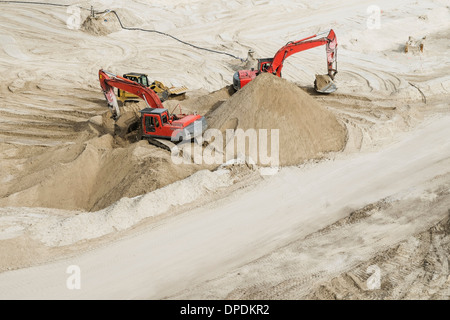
x=109, y=81
x=301, y=45
x=275, y=65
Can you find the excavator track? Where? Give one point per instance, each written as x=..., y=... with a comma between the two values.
x=161, y=143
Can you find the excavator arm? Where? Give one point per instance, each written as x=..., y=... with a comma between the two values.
x=304, y=44
x=109, y=81
x=275, y=65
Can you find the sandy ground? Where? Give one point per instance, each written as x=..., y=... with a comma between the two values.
x=74, y=193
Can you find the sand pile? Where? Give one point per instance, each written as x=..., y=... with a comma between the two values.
x=91, y=175
x=306, y=129
x=101, y=25
x=203, y=103
x=106, y=23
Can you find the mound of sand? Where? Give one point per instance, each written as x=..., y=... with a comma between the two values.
x=200, y=101
x=91, y=175
x=306, y=129
x=101, y=25
x=106, y=23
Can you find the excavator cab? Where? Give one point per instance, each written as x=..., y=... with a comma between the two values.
x=156, y=123
x=264, y=64
x=141, y=78
x=136, y=77
x=163, y=92
x=153, y=121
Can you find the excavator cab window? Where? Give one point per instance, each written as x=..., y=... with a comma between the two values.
x=144, y=81
x=164, y=118
x=265, y=66
x=141, y=79
x=151, y=123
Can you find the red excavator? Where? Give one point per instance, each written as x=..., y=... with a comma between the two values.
x=155, y=121
x=275, y=64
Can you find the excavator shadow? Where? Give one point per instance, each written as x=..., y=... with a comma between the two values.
x=311, y=91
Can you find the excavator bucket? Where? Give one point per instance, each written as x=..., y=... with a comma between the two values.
x=166, y=93
x=324, y=84
x=158, y=87
x=112, y=102
x=178, y=90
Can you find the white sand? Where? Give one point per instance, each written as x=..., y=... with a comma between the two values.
x=398, y=148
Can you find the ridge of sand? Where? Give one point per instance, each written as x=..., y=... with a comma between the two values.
x=91, y=175
x=127, y=212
